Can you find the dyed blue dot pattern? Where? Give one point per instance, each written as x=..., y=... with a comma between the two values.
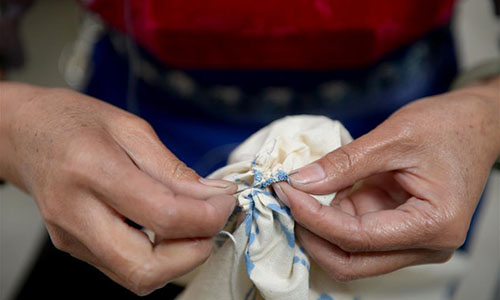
x=259, y=182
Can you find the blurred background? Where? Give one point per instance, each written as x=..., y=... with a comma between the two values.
x=49, y=30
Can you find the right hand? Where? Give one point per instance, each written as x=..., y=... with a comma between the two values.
x=90, y=166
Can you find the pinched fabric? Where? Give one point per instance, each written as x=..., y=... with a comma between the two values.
x=265, y=262
x=261, y=258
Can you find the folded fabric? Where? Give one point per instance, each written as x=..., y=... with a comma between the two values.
x=258, y=257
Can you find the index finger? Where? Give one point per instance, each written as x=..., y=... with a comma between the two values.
x=409, y=226
x=151, y=204
x=148, y=202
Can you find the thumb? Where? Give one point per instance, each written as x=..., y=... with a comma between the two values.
x=183, y=180
x=378, y=151
x=149, y=154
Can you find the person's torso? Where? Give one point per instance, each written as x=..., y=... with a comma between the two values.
x=272, y=34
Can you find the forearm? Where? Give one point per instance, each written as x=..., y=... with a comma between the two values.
x=495, y=92
x=13, y=100
x=489, y=92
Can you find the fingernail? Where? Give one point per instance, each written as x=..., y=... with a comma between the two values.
x=281, y=195
x=308, y=174
x=222, y=184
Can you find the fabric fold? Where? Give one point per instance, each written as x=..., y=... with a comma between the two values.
x=263, y=259
x=268, y=264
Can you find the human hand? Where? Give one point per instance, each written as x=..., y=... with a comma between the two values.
x=90, y=166
x=408, y=189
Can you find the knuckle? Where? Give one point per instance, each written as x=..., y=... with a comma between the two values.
x=178, y=170
x=214, y=220
x=443, y=256
x=59, y=241
x=133, y=122
x=355, y=239
x=407, y=133
x=316, y=217
x=341, y=159
x=354, y=245
x=164, y=220
x=341, y=269
x=432, y=226
x=451, y=230
x=206, y=250
x=203, y=250
x=143, y=279
x=452, y=239
x=143, y=126
x=302, y=215
x=399, y=138
x=407, y=140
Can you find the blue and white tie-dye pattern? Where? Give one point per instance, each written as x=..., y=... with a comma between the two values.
x=269, y=264
x=264, y=261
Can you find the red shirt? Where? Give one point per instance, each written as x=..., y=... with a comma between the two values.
x=273, y=34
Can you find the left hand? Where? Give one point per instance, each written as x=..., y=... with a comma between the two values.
x=407, y=189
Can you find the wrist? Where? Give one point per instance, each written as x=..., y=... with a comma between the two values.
x=14, y=99
x=487, y=91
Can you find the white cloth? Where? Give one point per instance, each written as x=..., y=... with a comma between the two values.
x=264, y=261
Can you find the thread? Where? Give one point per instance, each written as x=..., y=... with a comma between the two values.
x=235, y=262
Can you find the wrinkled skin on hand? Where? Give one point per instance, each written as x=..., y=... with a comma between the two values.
x=90, y=166
x=407, y=189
